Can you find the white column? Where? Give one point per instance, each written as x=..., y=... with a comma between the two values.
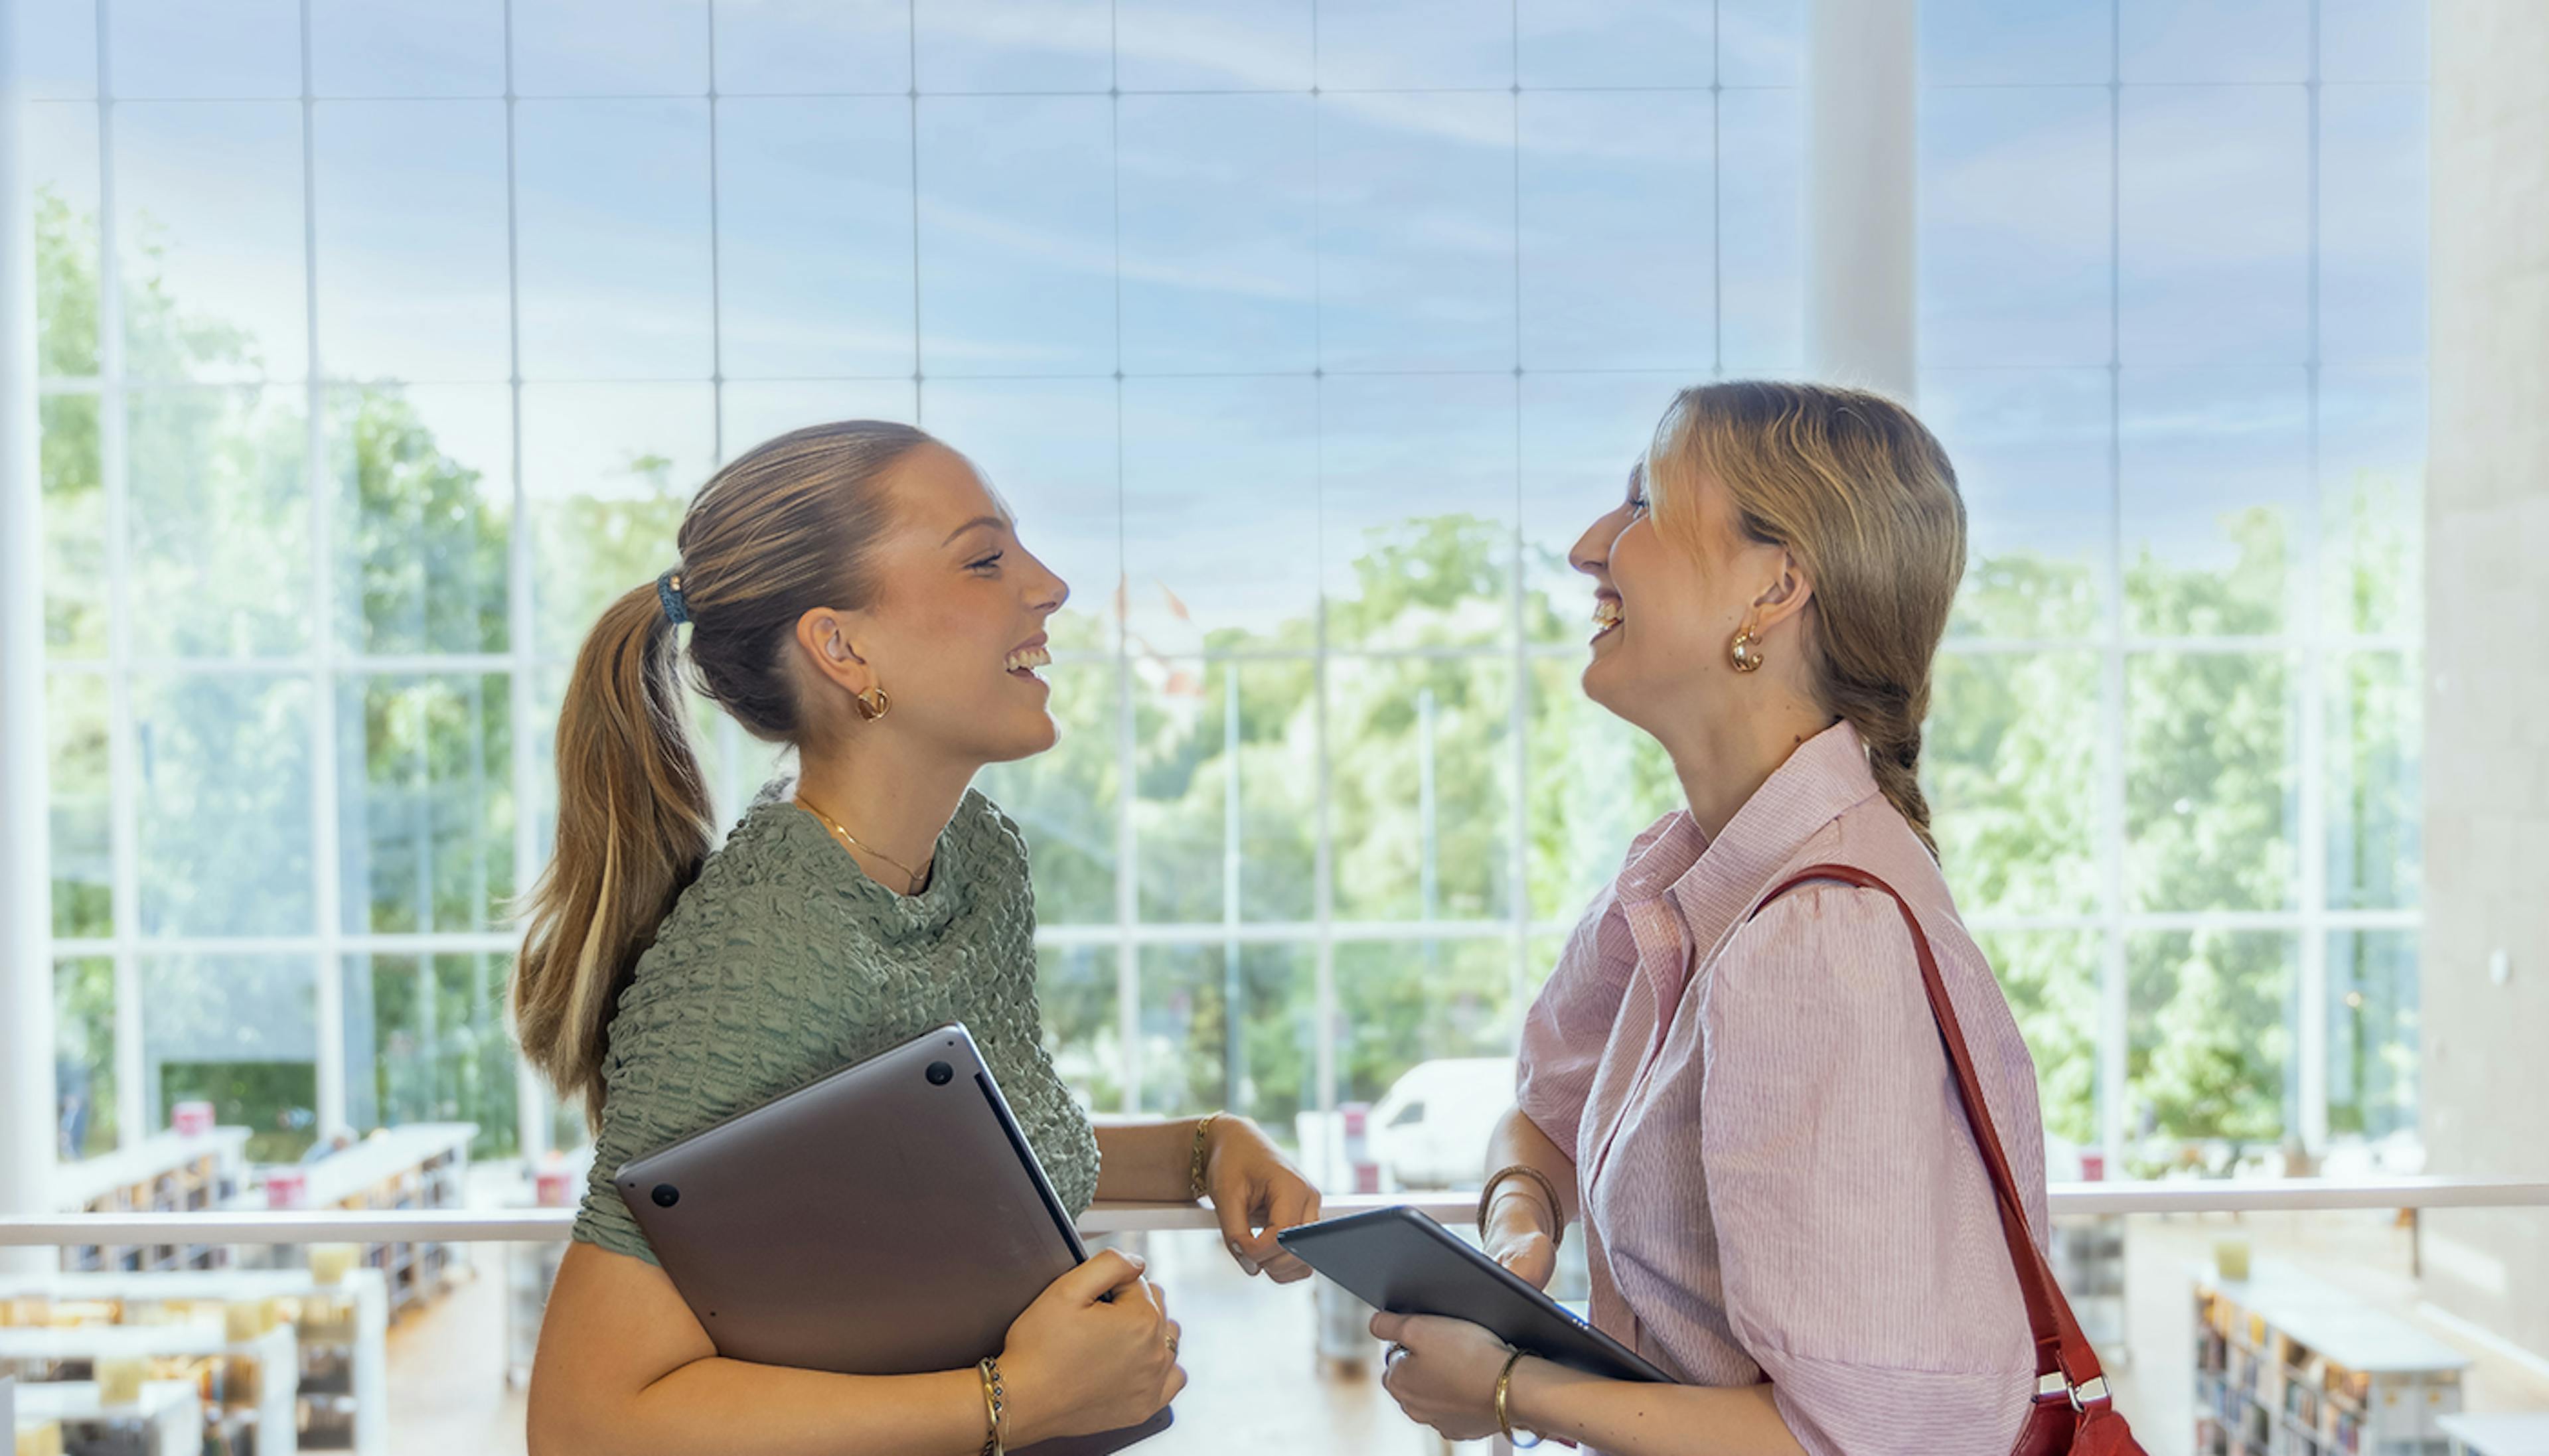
x=26, y=910
x=1862, y=72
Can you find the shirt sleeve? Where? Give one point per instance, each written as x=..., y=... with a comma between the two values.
x=1864, y=1265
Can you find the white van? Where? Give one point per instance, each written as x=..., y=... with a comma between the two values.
x=1430, y=1130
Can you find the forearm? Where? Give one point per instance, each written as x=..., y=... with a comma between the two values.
x=1632, y=1419
x=1146, y=1161
x=721, y=1405
x=1519, y=1139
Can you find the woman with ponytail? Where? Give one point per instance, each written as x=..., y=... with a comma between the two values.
x=856, y=592
x=1740, y=1096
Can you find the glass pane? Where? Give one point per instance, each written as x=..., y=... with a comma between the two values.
x=1194, y=1060
x=80, y=822
x=1064, y=800
x=1619, y=43
x=84, y=1057
x=1198, y=453
x=2033, y=452
x=2208, y=1049
x=57, y=51
x=609, y=48
x=2010, y=767
x=2050, y=979
x=1421, y=774
x=1595, y=783
x=1425, y=1036
x=2216, y=473
x=2372, y=222
x=428, y=802
x=2371, y=472
x=1403, y=45
x=610, y=469
x=2217, y=41
x=2016, y=242
x=614, y=238
x=60, y=158
x=1618, y=233
x=1048, y=448
x=74, y=526
x=209, y=231
x=814, y=237
x=426, y=1041
x=224, y=804
x=2373, y=1034
x=2372, y=40
x=219, y=519
x=239, y=1032
x=180, y=47
x=1580, y=433
x=1075, y=988
x=364, y=48
x=1416, y=485
x=1761, y=43
x=1416, y=230
x=2210, y=782
x=812, y=45
x=2374, y=763
x=761, y=411
x=2014, y=42
x=1760, y=228
x=422, y=516
x=1225, y=806
x=2215, y=232
x=1014, y=45
x=1215, y=204
x=1017, y=236
x=1212, y=45
x=412, y=240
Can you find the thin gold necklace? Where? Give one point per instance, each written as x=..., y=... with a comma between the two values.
x=910, y=874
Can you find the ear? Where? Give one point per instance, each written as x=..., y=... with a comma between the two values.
x=823, y=636
x=1788, y=594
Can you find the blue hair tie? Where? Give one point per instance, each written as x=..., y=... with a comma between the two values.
x=668, y=590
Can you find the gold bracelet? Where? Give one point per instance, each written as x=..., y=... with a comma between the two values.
x=1505, y=1420
x=1194, y=1163
x=995, y=1405
x=1557, y=1210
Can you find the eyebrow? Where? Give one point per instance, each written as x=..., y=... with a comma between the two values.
x=977, y=523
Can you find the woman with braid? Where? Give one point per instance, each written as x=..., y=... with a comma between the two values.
x=1739, y=1100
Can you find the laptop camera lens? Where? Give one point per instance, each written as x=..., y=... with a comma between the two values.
x=940, y=1074
x=666, y=1195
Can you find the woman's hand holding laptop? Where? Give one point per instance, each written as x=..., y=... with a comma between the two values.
x=1078, y=1361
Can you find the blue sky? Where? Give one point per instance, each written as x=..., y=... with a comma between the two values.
x=1610, y=242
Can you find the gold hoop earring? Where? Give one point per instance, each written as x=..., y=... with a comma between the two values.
x=873, y=705
x=1745, y=651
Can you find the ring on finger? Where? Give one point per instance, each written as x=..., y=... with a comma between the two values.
x=1173, y=1344
x=1390, y=1356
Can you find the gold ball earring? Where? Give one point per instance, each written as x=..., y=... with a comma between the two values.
x=873, y=705
x=1744, y=652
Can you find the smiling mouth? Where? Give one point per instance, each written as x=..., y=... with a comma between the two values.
x=1024, y=662
x=1607, y=617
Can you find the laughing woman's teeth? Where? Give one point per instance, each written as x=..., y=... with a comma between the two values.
x=1606, y=615
x=1029, y=658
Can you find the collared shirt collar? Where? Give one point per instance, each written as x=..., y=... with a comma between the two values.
x=1712, y=882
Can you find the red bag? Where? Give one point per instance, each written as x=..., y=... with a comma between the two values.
x=2072, y=1411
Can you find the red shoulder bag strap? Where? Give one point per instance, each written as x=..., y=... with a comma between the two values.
x=2066, y=1368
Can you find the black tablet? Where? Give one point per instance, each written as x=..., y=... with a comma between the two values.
x=1399, y=1260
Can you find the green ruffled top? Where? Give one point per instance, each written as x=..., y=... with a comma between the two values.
x=783, y=961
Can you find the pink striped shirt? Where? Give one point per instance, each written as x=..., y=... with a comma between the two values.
x=1779, y=1181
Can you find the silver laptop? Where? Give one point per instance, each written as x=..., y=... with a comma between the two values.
x=887, y=1220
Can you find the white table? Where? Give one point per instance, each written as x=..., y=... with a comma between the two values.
x=2514, y=1433
x=171, y=1409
